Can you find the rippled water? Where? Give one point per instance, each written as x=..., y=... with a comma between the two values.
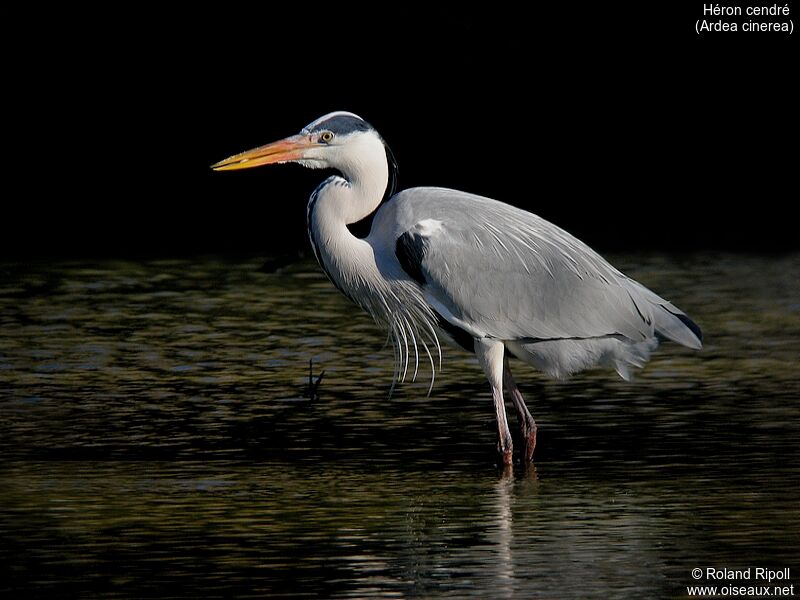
x=158, y=440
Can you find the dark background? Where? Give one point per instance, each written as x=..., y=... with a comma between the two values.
x=617, y=122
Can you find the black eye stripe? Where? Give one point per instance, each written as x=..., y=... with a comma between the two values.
x=340, y=125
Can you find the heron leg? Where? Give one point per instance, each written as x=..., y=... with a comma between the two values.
x=527, y=425
x=490, y=356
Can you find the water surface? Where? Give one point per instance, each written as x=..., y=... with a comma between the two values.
x=158, y=440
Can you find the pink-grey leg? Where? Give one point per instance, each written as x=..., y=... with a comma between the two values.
x=490, y=355
x=526, y=423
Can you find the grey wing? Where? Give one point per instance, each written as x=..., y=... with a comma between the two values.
x=497, y=271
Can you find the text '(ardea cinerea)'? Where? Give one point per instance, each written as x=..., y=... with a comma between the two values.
x=439, y=264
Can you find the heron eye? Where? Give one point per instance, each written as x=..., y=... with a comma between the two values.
x=326, y=136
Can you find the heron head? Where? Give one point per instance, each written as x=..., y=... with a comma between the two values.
x=329, y=142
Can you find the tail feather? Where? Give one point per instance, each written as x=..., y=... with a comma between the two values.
x=670, y=322
x=674, y=325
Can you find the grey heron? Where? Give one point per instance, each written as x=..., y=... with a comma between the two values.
x=440, y=264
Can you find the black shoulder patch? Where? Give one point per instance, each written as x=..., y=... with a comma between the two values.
x=410, y=250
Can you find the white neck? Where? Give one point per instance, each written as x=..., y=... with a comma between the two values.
x=340, y=201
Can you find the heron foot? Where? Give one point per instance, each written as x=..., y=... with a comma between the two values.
x=505, y=449
x=528, y=429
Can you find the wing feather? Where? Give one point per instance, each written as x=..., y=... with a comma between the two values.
x=509, y=274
